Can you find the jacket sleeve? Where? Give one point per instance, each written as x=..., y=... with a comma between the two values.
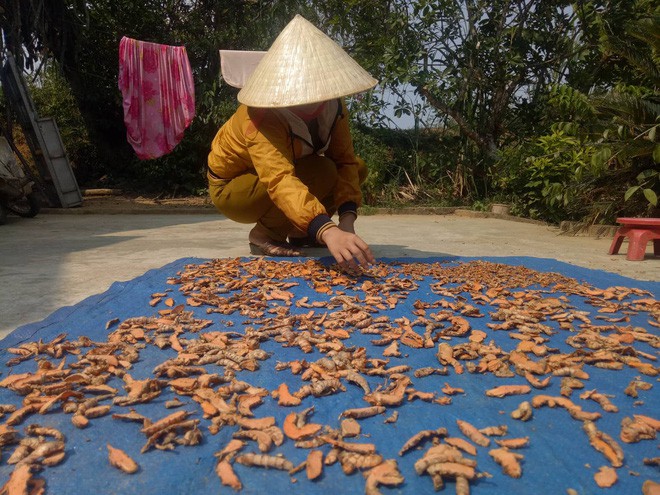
x=348, y=195
x=269, y=147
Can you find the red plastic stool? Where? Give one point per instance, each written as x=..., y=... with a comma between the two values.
x=639, y=232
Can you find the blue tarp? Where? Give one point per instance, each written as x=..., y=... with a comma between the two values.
x=559, y=455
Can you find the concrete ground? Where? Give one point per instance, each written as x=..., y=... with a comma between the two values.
x=57, y=260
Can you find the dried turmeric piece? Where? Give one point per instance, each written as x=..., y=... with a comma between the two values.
x=650, y=487
x=359, y=448
x=602, y=399
x=462, y=444
x=264, y=460
x=264, y=441
x=449, y=390
x=255, y=423
x=636, y=385
x=392, y=397
x=605, y=477
x=452, y=470
x=604, y=444
x=163, y=423
x=513, y=443
x=494, y=431
x=232, y=447
x=314, y=466
x=18, y=481
x=227, y=476
x=121, y=460
x=473, y=433
x=505, y=390
x=284, y=397
x=363, y=412
x=295, y=432
x=508, y=460
x=392, y=350
x=633, y=430
x=443, y=454
x=386, y=473
x=349, y=428
x=352, y=461
x=420, y=437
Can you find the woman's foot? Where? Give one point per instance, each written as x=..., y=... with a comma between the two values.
x=261, y=244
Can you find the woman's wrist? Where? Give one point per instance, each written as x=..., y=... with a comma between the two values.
x=320, y=234
x=328, y=233
x=348, y=216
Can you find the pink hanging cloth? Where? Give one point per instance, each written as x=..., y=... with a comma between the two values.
x=159, y=95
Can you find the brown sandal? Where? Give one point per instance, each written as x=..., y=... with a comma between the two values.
x=277, y=249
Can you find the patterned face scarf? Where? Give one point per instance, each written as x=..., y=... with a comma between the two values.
x=158, y=93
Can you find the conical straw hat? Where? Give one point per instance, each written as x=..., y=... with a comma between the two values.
x=303, y=66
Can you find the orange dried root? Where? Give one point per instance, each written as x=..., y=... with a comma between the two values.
x=227, y=476
x=314, y=466
x=121, y=460
x=452, y=470
x=513, y=443
x=494, y=431
x=264, y=441
x=266, y=461
x=602, y=399
x=232, y=447
x=505, y=390
x=473, y=433
x=462, y=444
x=349, y=428
x=392, y=418
x=359, y=448
x=449, y=390
x=605, y=477
x=652, y=422
x=294, y=432
x=573, y=409
x=634, y=429
x=523, y=412
x=165, y=422
x=387, y=473
x=445, y=357
x=508, y=460
x=18, y=481
x=445, y=454
x=255, y=423
x=535, y=382
x=420, y=437
x=634, y=386
x=352, y=461
x=651, y=487
x=604, y=444
x=392, y=397
x=284, y=397
x=363, y=412
x=356, y=378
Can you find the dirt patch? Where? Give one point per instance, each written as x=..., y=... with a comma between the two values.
x=111, y=202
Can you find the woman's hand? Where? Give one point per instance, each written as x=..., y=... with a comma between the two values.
x=347, y=248
x=347, y=221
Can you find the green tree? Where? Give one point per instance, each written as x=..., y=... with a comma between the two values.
x=481, y=65
x=602, y=122
x=83, y=38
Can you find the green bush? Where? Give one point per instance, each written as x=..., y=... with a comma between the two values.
x=543, y=178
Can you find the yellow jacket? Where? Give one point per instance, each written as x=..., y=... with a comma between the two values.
x=269, y=141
